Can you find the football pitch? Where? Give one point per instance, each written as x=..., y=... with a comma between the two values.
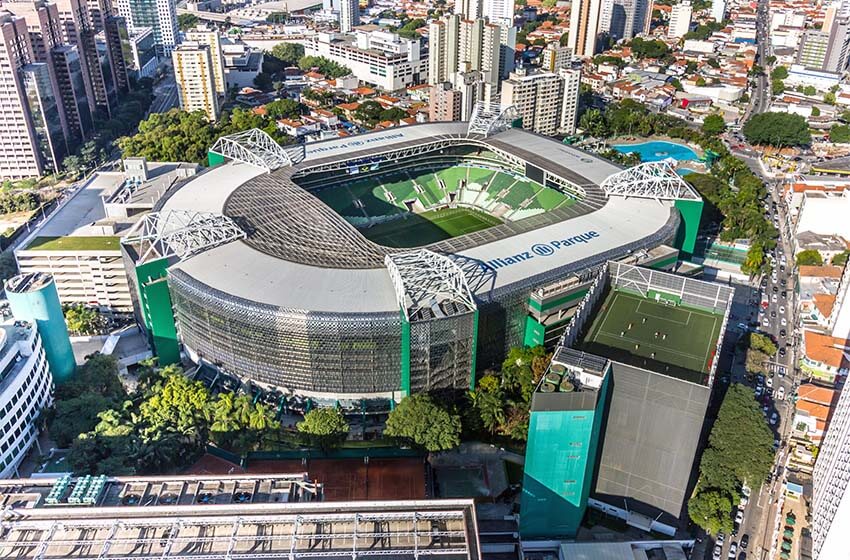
x=675, y=340
x=429, y=227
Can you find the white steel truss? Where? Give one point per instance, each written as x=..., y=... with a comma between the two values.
x=655, y=179
x=180, y=233
x=257, y=148
x=423, y=280
x=489, y=118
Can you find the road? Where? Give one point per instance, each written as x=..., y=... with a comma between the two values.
x=166, y=96
x=760, y=97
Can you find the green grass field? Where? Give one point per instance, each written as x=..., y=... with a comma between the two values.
x=429, y=227
x=677, y=341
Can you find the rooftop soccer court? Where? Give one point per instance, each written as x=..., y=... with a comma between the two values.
x=660, y=335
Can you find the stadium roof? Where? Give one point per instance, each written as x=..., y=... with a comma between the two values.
x=293, y=238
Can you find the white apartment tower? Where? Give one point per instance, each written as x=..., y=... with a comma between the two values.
x=499, y=11
x=349, y=15
x=210, y=36
x=718, y=9
x=546, y=101
x=195, y=77
x=831, y=494
x=459, y=45
x=680, y=20
x=585, y=21
x=159, y=15
x=468, y=9
x=555, y=57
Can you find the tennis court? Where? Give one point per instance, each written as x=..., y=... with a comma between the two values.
x=429, y=227
x=643, y=332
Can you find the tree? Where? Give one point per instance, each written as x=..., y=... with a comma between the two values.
x=777, y=129
x=324, y=66
x=815, y=112
x=677, y=84
x=713, y=125
x=840, y=259
x=809, y=257
x=700, y=81
x=393, y=114
x=777, y=87
x=284, y=109
x=75, y=416
x=187, y=21
x=762, y=343
x=324, y=427
x=408, y=30
x=488, y=400
x=288, y=53
x=277, y=17
x=369, y=112
x=97, y=376
x=755, y=361
x=263, y=81
x=239, y=424
x=8, y=266
x=829, y=98
x=593, y=122
x=839, y=133
x=643, y=48
x=809, y=90
x=420, y=420
x=779, y=73
x=711, y=510
x=180, y=406
x=84, y=320
x=565, y=39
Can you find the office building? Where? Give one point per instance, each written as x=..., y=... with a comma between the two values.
x=242, y=63
x=546, y=101
x=814, y=45
x=159, y=15
x=349, y=15
x=22, y=153
x=43, y=108
x=457, y=45
x=195, y=77
x=377, y=57
x=454, y=100
x=831, y=491
x=26, y=391
x=680, y=20
x=555, y=57
x=33, y=298
x=585, y=21
x=838, y=50
x=718, y=9
x=210, y=36
x=142, y=61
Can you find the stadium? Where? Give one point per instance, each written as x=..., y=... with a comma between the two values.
x=370, y=267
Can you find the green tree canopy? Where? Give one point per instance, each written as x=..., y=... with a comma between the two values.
x=809, y=257
x=840, y=259
x=239, y=424
x=652, y=48
x=713, y=125
x=284, y=109
x=779, y=73
x=84, y=320
x=77, y=415
x=323, y=66
x=762, y=343
x=408, y=30
x=777, y=129
x=420, y=420
x=839, y=133
x=324, y=427
x=187, y=21
x=288, y=53
x=711, y=510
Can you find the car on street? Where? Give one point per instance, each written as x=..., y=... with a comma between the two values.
x=718, y=552
x=781, y=309
x=733, y=549
x=745, y=541
x=769, y=382
x=784, y=294
x=774, y=418
x=783, y=322
x=720, y=538
x=773, y=314
x=773, y=299
x=781, y=394
x=782, y=333
x=765, y=408
x=775, y=289
x=765, y=323
x=759, y=390
x=782, y=352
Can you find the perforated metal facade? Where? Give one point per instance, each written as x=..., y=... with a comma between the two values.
x=317, y=352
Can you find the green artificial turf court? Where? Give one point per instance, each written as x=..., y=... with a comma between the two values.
x=630, y=328
x=429, y=227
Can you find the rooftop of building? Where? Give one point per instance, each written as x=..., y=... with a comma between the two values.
x=816, y=393
x=826, y=349
x=29, y=282
x=11, y=333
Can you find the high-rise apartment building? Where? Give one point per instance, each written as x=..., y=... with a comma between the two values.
x=457, y=45
x=718, y=9
x=680, y=20
x=585, y=20
x=838, y=50
x=25, y=149
x=159, y=15
x=555, y=57
x=455, y=99
x=546, y=101
x=210, y=36
x=499, y=11
x=195, y=77
x=349, y=15
x=468, y=9
x=831, y=492
x=619, y=18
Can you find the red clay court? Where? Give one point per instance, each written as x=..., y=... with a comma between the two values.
x=343, y=479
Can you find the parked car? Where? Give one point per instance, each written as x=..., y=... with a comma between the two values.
x=733, y=550
x=769, y=382
x=745, y=540
x=782, y=309
x=782, y=352
x=781, y=394
x=774, y=418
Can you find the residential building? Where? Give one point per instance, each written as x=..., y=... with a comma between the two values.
x=838, y=52
x=241, y=64
x=585, y=20
x=623, y=19
x=546, y=101
x=79, y=244
x=195, y=77
x=831, y=490
x=142, y=61
x=349, y=15
x=823, y=356
x=814, y=45
x=555, y=57
x=718, y=9
x=206, y=35
x=159, y=15
x=457, y=45
x=25, y=393
x=454, y=100
x=377, y=57
x=813, y=411
x=499, y=11
x=680, y=20
x=468, y=9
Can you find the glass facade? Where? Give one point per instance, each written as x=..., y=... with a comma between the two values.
x=44, y=112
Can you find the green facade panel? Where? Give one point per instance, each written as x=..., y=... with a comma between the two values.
x=535, y=333
x=405, y=355
x=560, y=460
x=686, y=238
x=156, y=309
x=474, y=350
x=214, y=159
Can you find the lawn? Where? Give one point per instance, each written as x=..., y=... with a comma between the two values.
x=429, y=227
x=75, y=243
x=675, y=340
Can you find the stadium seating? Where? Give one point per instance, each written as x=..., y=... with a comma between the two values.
x=429, y=184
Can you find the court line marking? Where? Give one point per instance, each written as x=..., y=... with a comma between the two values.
x=686, y=323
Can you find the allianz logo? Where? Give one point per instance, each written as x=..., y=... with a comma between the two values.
x=541, y=250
